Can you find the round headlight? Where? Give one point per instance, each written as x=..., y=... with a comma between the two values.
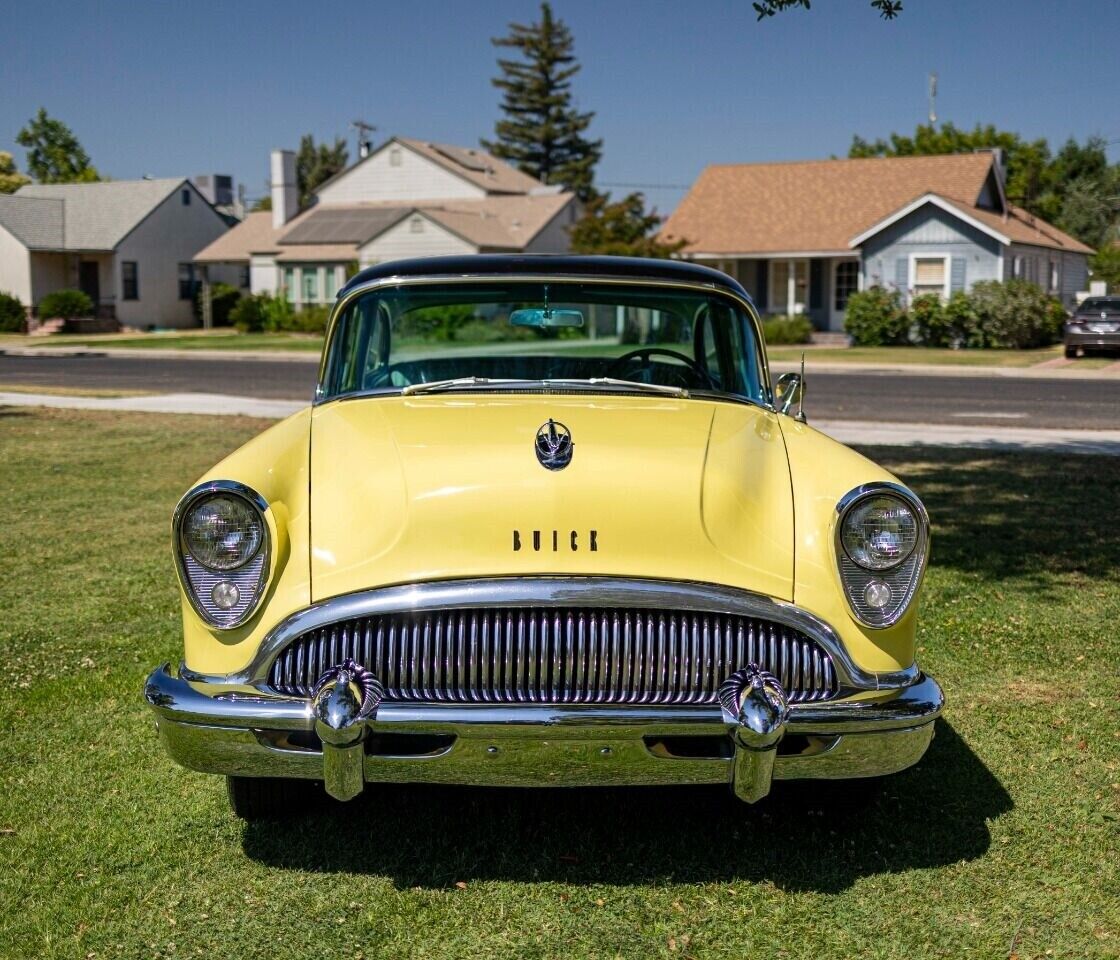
x=879, y=532
x=223, y=532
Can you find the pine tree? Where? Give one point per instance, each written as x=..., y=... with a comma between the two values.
x=542, y=133
x=315, y=165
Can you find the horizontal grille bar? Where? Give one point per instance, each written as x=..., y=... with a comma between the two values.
x=552, y=655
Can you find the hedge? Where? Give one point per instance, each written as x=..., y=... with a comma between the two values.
x=1015, y=314
x=12, y=314
x=65, y=305
x=779, y=329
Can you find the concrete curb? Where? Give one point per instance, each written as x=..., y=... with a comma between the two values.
x=858, y=432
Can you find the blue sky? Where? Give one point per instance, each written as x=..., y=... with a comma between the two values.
x=178, y=89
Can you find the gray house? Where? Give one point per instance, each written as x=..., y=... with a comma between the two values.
x=128, y=244
x=802, y=237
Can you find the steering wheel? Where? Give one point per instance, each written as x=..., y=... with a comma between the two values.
x=647, y=353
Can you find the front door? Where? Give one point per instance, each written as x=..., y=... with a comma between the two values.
x=845, y=282
x=89, y=282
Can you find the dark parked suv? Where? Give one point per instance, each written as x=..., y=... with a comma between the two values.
x=1095, y=325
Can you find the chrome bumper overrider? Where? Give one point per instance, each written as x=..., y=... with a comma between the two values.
x=347, y=736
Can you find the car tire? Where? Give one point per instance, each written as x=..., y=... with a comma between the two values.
x=269, y=798
x=1071, y=352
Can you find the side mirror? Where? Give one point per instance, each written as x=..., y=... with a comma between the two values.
x=790, y=390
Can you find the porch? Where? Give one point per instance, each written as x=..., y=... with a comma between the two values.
x=815, y=286
x=92, y=273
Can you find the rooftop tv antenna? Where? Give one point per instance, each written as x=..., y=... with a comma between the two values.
x=365, y=144
x=932, y=99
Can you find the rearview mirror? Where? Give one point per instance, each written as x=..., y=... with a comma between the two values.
x=546, y=317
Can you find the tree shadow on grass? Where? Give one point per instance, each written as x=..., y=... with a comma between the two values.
x=934, y=814
x=1001, y=514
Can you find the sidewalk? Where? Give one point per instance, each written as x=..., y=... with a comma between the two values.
x=858, y=432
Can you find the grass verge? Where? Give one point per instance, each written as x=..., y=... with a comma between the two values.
x=1003, y=841
x=58, y=391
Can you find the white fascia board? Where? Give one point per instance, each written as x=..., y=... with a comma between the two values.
x=937, y=201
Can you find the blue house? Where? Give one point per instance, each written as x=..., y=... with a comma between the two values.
x=802, y=237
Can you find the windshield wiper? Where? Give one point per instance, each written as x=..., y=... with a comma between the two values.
x=439, y=386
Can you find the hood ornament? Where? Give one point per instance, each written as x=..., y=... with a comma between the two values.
x=554, y=445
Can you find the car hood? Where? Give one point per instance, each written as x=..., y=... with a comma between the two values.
x=407, y=489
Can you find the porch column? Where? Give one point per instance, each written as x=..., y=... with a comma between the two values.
x=791, y=287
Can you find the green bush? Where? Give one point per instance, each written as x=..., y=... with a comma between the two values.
x=779, y=329
x=436, y=323
x=1016, y=314
x=12, y=314
x=929, y=324
x=223, y=298
x=65, y=305
x=247, y=314
x=311, y=319
x=875, y=318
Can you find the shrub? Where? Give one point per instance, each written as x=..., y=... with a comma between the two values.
x=960, y=320
x=1014, y=314
x=311, y=319
x=246, y=315
x=12, y=314
x=779, y=329
x=928, y=321
x=436, y=323
x=65, y=305
x=223, y=298
x=875, y=318
x=276, y=313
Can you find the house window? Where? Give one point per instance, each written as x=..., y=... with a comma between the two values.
x=188, y=285
x=243, y=277
x=330, y=286
x=185, y=196
x=416, y=225
x=929, y=275
x=789, y=286
x=310, y=284
x=394, y=156
x=847, y=282
x=130, y=280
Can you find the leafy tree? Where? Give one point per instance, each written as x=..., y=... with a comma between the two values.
x=10, y=178
x=541, y=131
x=888, y=9
x=264, y=203
x=1073, y=189
x=54, y=154
x=622, y=229
x=1105, y=265
x=315, y=165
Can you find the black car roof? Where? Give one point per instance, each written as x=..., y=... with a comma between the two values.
x=621, y=268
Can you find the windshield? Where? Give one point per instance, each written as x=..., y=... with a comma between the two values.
x=455, y=336
x=1096, y=304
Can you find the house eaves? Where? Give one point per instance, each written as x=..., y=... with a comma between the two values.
x=935, y=200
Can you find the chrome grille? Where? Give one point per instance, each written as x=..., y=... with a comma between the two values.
x=568, y=655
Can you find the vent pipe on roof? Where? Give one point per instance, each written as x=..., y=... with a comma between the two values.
x=285, y=195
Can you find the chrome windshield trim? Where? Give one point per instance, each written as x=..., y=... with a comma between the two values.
x=568, y=591
x=397, y=281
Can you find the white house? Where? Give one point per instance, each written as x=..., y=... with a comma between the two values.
x=128, y=244
x=407, y=198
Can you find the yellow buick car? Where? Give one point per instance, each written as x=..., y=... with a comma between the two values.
x=547, y=522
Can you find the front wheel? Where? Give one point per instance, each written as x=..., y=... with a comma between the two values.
x=269, y=798
x=1071, y=352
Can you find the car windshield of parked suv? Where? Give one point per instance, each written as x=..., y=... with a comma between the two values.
x=581, y=336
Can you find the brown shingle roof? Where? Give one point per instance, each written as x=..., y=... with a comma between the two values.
x=254, y=234
x=821, y=205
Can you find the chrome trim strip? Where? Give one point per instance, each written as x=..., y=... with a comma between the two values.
x=921, y=548
x=568, y=591
x=259, y=503
x=233, y=705
x=710, y=288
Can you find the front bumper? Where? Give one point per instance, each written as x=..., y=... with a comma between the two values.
x=244, y=730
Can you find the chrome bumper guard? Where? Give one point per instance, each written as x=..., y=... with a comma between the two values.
x=345, y=733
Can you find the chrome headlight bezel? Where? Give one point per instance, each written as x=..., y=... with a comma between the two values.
x=902, y=579
x=198, y=581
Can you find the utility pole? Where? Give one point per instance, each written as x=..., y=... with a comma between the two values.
x=365, y=145
x=932, y=99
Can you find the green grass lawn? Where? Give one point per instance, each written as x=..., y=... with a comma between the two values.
x=1004, y=841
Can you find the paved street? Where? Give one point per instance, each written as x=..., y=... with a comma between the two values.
x=863, y=396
